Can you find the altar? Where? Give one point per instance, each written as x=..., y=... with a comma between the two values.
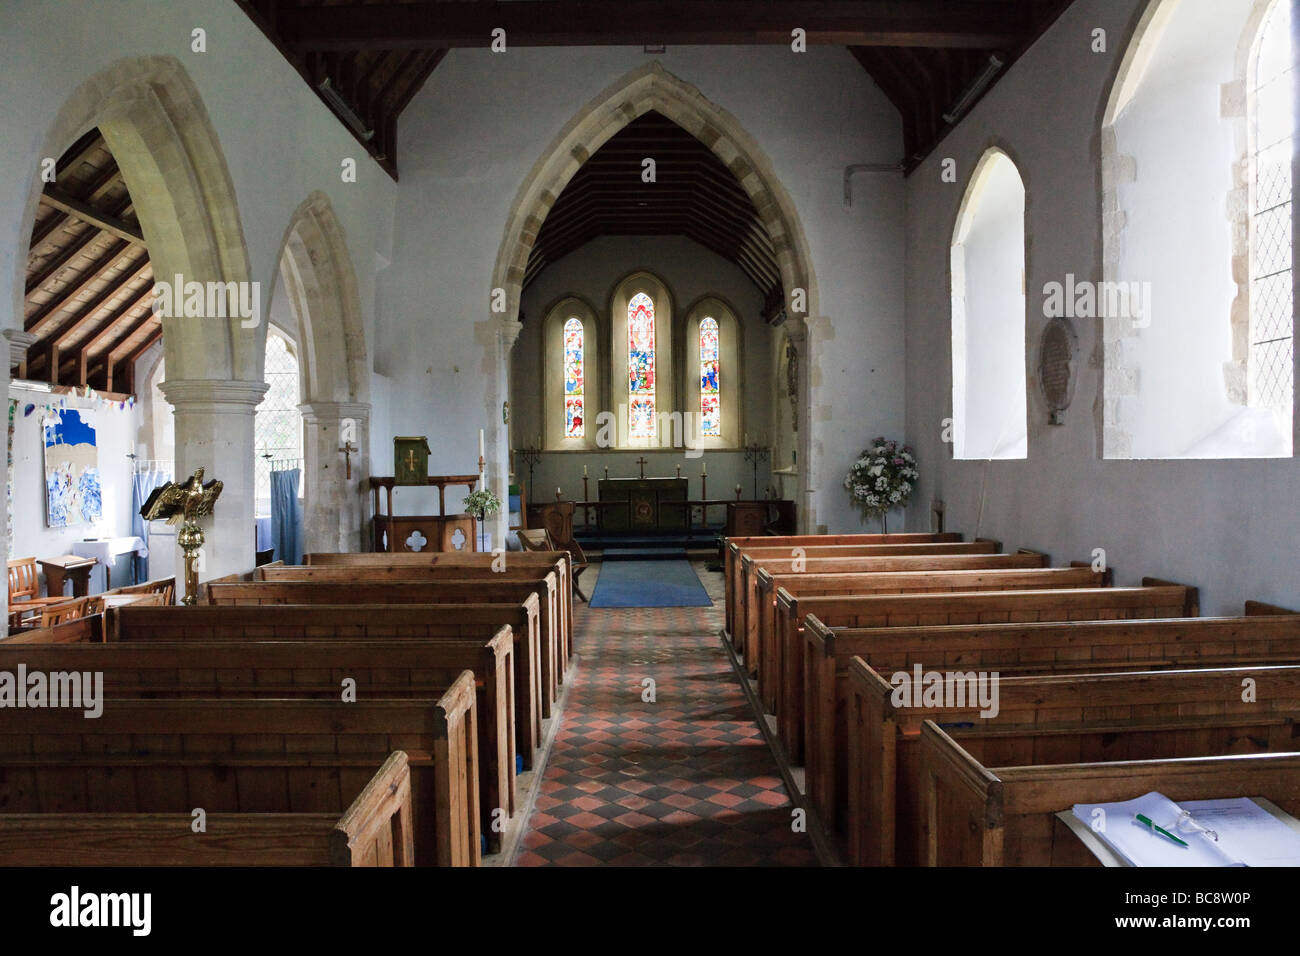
x=643, y=505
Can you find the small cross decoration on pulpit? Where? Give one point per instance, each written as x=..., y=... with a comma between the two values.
x=642, y=462
x=410, y=460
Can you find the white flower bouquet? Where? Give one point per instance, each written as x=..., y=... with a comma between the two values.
x=882, y=479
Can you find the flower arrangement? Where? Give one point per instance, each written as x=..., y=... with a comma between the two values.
x=482, y=503
x=882, y=478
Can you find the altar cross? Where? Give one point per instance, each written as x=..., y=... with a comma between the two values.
x=641, y=461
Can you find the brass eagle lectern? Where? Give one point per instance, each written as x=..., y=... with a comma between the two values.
x=184, y=502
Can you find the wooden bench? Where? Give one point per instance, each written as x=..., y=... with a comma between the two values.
x=809, y=698
x=460, y=622
x=762, y=613
x=753, y=567
x=991, y=812
x=733, y=546
x=439, y=738
x=319, y=593
x=560, y=560
x=158, y=828
x=292, y=668
x=883, y=820
x=513, y=566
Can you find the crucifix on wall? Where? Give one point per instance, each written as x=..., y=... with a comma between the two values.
x=641, y=461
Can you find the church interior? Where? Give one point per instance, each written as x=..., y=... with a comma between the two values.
x=550, y=433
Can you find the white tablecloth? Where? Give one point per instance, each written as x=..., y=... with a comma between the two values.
x=106, y=550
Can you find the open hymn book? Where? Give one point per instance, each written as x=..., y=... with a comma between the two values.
x=1231, y=832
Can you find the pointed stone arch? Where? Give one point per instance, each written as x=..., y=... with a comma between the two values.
x=155, y=124
x=648, y=88
x=317, y=276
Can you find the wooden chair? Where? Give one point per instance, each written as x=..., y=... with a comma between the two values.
x=65, y=611
x=25, y=591
x=558, y=521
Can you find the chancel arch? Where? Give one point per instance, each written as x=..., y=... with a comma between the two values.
x=1199, y=119
x=573, y=358
x=711, y=357
x=989, y=394
x=646, y=89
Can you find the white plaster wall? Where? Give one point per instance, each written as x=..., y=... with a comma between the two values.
x=115, y=437
x=1227, y=526
x=470, y=138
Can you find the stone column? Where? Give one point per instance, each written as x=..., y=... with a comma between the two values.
x=334, y=515
x=214, y=431
x=19, y=342
x=497, y=469
x=796, y=329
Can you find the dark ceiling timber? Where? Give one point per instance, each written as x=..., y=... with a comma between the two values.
x=968, y=24
x=693, y=194
x=367, y=59
x=89, y=279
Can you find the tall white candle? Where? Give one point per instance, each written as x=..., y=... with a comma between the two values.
x=480, y=443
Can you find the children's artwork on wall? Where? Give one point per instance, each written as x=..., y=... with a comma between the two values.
x=72, y=484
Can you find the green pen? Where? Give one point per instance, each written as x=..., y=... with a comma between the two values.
x=1146, y=822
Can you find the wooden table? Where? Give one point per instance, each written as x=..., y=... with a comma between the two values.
x=67, y=567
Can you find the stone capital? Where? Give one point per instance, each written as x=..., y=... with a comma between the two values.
x=196, y=394
x=509, y=330
x=318, y=412
x=19, y=343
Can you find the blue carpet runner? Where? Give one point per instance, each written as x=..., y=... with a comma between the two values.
x=649, y=584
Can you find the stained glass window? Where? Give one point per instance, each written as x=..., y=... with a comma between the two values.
x=710, y=396
x=641, y=366
x=574, y=380
x=1271, y=332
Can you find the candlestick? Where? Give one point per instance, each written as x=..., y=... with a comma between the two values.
x=607, y=472
x=737, y=492
x=481, y=446
x=584, y=471
x=558, y=495
x=679, y=471
x=704, y=469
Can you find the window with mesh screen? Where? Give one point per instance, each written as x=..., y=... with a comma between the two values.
x=1272, y=127
x=278, y=428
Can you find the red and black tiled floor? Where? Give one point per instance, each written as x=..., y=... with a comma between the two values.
x=685, y=779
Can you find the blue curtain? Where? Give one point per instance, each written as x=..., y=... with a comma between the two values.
x=142, y=483
x=286, y=518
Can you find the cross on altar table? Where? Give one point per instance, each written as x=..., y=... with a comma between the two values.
x=641, y=461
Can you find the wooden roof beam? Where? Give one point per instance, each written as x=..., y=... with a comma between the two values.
x=104, y=221
x=469, y=23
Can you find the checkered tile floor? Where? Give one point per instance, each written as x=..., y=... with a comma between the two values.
x=685, y=780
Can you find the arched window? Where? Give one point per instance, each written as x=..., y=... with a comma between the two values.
x=641, y=366
x=1197, y=316
x=574, y=360
x=277, y=429
x=1272, y=128
x=988, y=314
x=710, y=393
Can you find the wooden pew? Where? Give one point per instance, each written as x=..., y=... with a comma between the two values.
x=745, y=589
x=291, y=668
x=732, y=547
x=559, y=560
x=814, y=699
x=752, y=568
x=374, y=830
x=445, y=566
x=991, y=812
x=883, y=818
x=761, y=614
x=318, y=593
x=460, y=622
x=439, y=738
